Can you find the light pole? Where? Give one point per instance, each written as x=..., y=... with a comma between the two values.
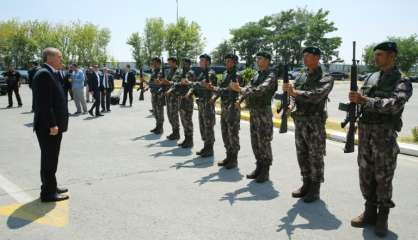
x=177, y=3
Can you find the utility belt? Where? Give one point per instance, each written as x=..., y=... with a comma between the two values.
x=300, y=115
x=390, y=121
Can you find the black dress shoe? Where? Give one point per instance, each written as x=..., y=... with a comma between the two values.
x=61, y=190
x=91, y=113
x=99, y=115
x=54, y=198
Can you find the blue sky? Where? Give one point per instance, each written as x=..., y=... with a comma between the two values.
x=364, y=21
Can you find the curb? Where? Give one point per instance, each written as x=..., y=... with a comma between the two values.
x=405, y=148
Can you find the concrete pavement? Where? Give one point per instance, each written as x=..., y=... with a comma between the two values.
x=126, y=183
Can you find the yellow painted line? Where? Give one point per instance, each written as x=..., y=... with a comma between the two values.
x=51, y=214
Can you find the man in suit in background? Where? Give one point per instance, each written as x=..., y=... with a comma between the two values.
x=107, y=87
x=50, y=121
x=13, y=85
x=94, y=88
x=128, y=84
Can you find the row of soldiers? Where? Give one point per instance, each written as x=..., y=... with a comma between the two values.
x=381, y=100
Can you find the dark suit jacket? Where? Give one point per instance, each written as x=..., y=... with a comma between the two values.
x=131, y=79
x=49, y=101
x=13, y=79
x=110, y=81
x=94, y=83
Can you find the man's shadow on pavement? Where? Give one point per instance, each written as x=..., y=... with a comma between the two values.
x=223, y=175
x=163, y=143
x=175, y=152
x=258, y=192
x=316, y=214
x=29, y=125
x=28, y=213
x=197, y=162
x=150, y=136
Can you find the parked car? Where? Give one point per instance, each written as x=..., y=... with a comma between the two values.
x=414, y=78
x=3, y=84
x=339, y=75
x=24, y=76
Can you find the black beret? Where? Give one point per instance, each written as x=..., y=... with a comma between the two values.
x=174, y=59
x=187, y=60
x=264, y=55
x=231, y=56
x=205, y=56
x=157, y=59
x=312, y=50
x=387, y=46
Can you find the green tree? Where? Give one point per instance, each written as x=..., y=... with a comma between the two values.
x=154, y=35
x=220, y=51
x=137, y=48
x=184, y=39
x=407, y=53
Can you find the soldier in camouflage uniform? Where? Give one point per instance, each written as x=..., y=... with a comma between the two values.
x=186, y=104
x=259, y=94
x=206, y=80
x=172, y=100
x=382, y=99
x=230, y=113
x=157, y=98
x=309, y=96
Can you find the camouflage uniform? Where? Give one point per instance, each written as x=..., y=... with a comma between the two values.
x=230, y=114
x=186, y=106
x=157, y=99
x=309, y=118
x=172, y=100
x=259, y=93
x=206, y=109
x=378, y=125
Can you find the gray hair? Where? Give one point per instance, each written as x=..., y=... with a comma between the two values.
x=49, y=52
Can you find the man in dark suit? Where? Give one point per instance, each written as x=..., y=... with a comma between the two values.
x=13, y=85
x=128, y=84
x=94, y=88
x=107, y=87
x=50, y=121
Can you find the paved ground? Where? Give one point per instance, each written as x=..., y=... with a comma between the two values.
x=128, y=184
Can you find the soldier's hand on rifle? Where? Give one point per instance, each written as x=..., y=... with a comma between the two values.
x=357, y=98
x=212, y=100
x=287, y=87
x=234, y=86
x=237, y=104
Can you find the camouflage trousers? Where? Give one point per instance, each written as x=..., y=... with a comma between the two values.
x=158, y=101
x=310, y=141
x=206, y=121
x=230, y=126
x=376, y=158
x=186, y=114
x=261, y=128
x=173, y=111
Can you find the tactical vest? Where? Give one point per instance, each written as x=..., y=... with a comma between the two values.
x=263, y=101
x=306, y=108
x=229, y=96
x=378, y=86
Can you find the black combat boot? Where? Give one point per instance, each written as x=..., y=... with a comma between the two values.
x=302, y=191
x=159, y=129
x=264, y=174
x=154, y=129
x=313, y=193
x=202, y=150
x=226, y=160
x=381, y=228
x=255, y=173
x=175, y=135
x=208, y=152
x=233, y=161
x=368, y=217
x=188, y=142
